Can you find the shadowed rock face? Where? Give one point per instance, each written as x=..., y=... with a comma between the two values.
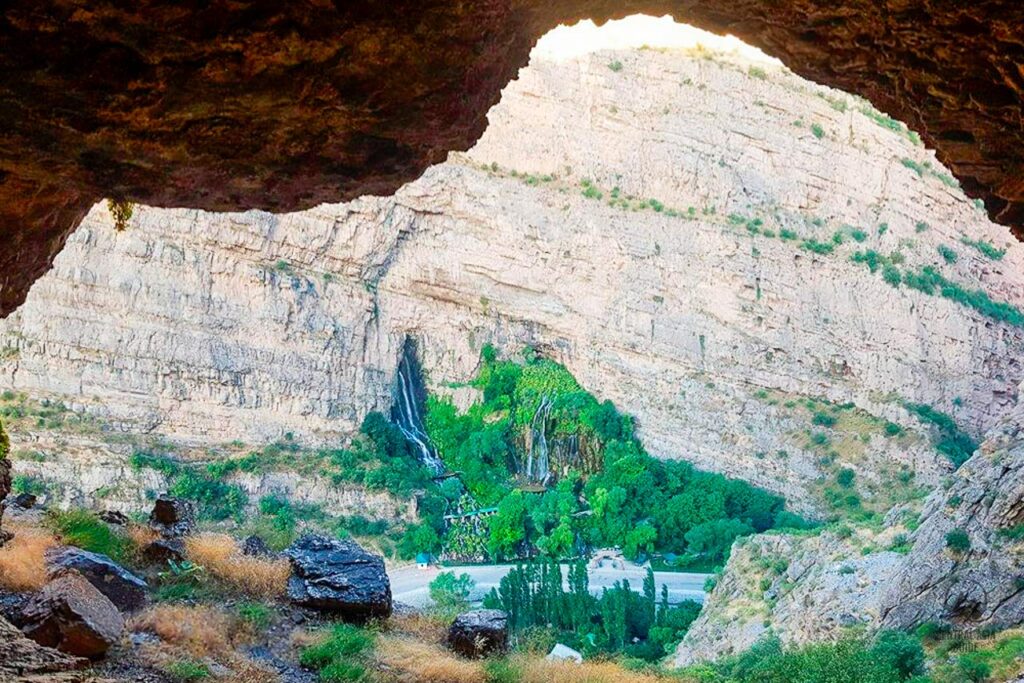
x=282, y=106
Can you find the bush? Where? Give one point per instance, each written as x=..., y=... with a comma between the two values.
x=958, y=541
x=947, y=254
x=845, y=477
x=341, y=656
x=83, y=529
x=986, y=248
x=450, y=593
x=898, y=652
x=817, y=130
x=974, y=668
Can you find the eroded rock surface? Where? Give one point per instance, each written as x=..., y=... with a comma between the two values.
x=25, y=661
x=71, y=615
x=479, y=633
x=801, y=589
x=338, y=577
x=281, y=107
x=649, y=285
x=126, y=590
x=983, y=584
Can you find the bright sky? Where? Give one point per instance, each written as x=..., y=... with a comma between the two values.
x=566, y=42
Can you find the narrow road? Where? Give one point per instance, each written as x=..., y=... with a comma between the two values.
x=410, y=585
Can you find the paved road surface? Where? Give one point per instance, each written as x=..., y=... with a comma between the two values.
x=411, y=584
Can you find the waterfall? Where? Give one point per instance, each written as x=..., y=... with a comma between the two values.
x=407, y=413
x=537, y=468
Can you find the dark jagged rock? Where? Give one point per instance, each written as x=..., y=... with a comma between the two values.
x=479, y=633
x=24, y=661
x=114, y=517
x=173, y=517
x=71, y=615
x=24, y=501
x=164, y=549
x=339, y=577
x=254, y=546
x=282, y=106
x=126, y=590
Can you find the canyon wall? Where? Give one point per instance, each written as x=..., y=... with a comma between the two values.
x=662, y=222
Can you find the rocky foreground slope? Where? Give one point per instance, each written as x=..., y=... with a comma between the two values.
x=675, y=227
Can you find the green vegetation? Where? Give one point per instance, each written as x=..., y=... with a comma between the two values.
x=958, y=541
x=814, y=246
x=947, y=254
x=186, y=670
x=217, y=499
x=986, y=248
x=23, y=483
x=758, y=73
x=5, y=443
x=929, y=281
x=889, y=123
x=619, y=621
x=925, y=168
x=612, y=494
x=343, y=655
x=955, y=444
x=256, y=615
x=121, y=211
x=891, y=657
x=82, y=528
x=817, y=130
x=615, y=66
x=450, y=593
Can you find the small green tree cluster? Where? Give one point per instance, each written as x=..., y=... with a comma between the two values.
x=620, y=620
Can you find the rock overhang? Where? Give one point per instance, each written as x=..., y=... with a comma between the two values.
x=282, y=107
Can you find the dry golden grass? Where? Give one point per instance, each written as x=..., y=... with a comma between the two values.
x=22, y=560
x=200, y=630
x=422, y=627
x=537, y=670
x=412, y=661
x=223, y=559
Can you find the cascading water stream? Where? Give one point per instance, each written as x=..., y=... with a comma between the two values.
x=537, y=468
x=406, y=410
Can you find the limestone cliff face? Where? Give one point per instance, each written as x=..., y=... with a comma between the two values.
x=636, y=215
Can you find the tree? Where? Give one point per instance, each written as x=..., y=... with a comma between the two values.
x=450, y=593
x=899, y=652
x=508, y=527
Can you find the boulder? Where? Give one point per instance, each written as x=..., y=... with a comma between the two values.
x=173, y=517
x=126, y=590
x=479, y=633
x=71, y=615
x=339, y=577
x=115, y=517
x=24, y=660
x=163, y=549
x=254, y=546
x=563, y=653
x=24, y=500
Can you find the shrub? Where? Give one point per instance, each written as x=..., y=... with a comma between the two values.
x=947, y=254
x=958, y=541
x=757, y=72
x=893, y=429
x=845, y=477
x=858, y=235
x=921, y=226
x=221, y=557
x=824, y=419
x=256, y=615
x=201, y=630
x=341, y=655
x=974, y=668
x=450, y=593
x=83, y=529
x=817, y=130
x=615, y=66
x=816, y=247
x=186, y=670
x=23, y=560
x=986, y=248
x=898, y=652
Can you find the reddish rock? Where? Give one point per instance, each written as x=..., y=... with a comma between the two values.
x=282, y=106
x=71, y=615
x=26, y=661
